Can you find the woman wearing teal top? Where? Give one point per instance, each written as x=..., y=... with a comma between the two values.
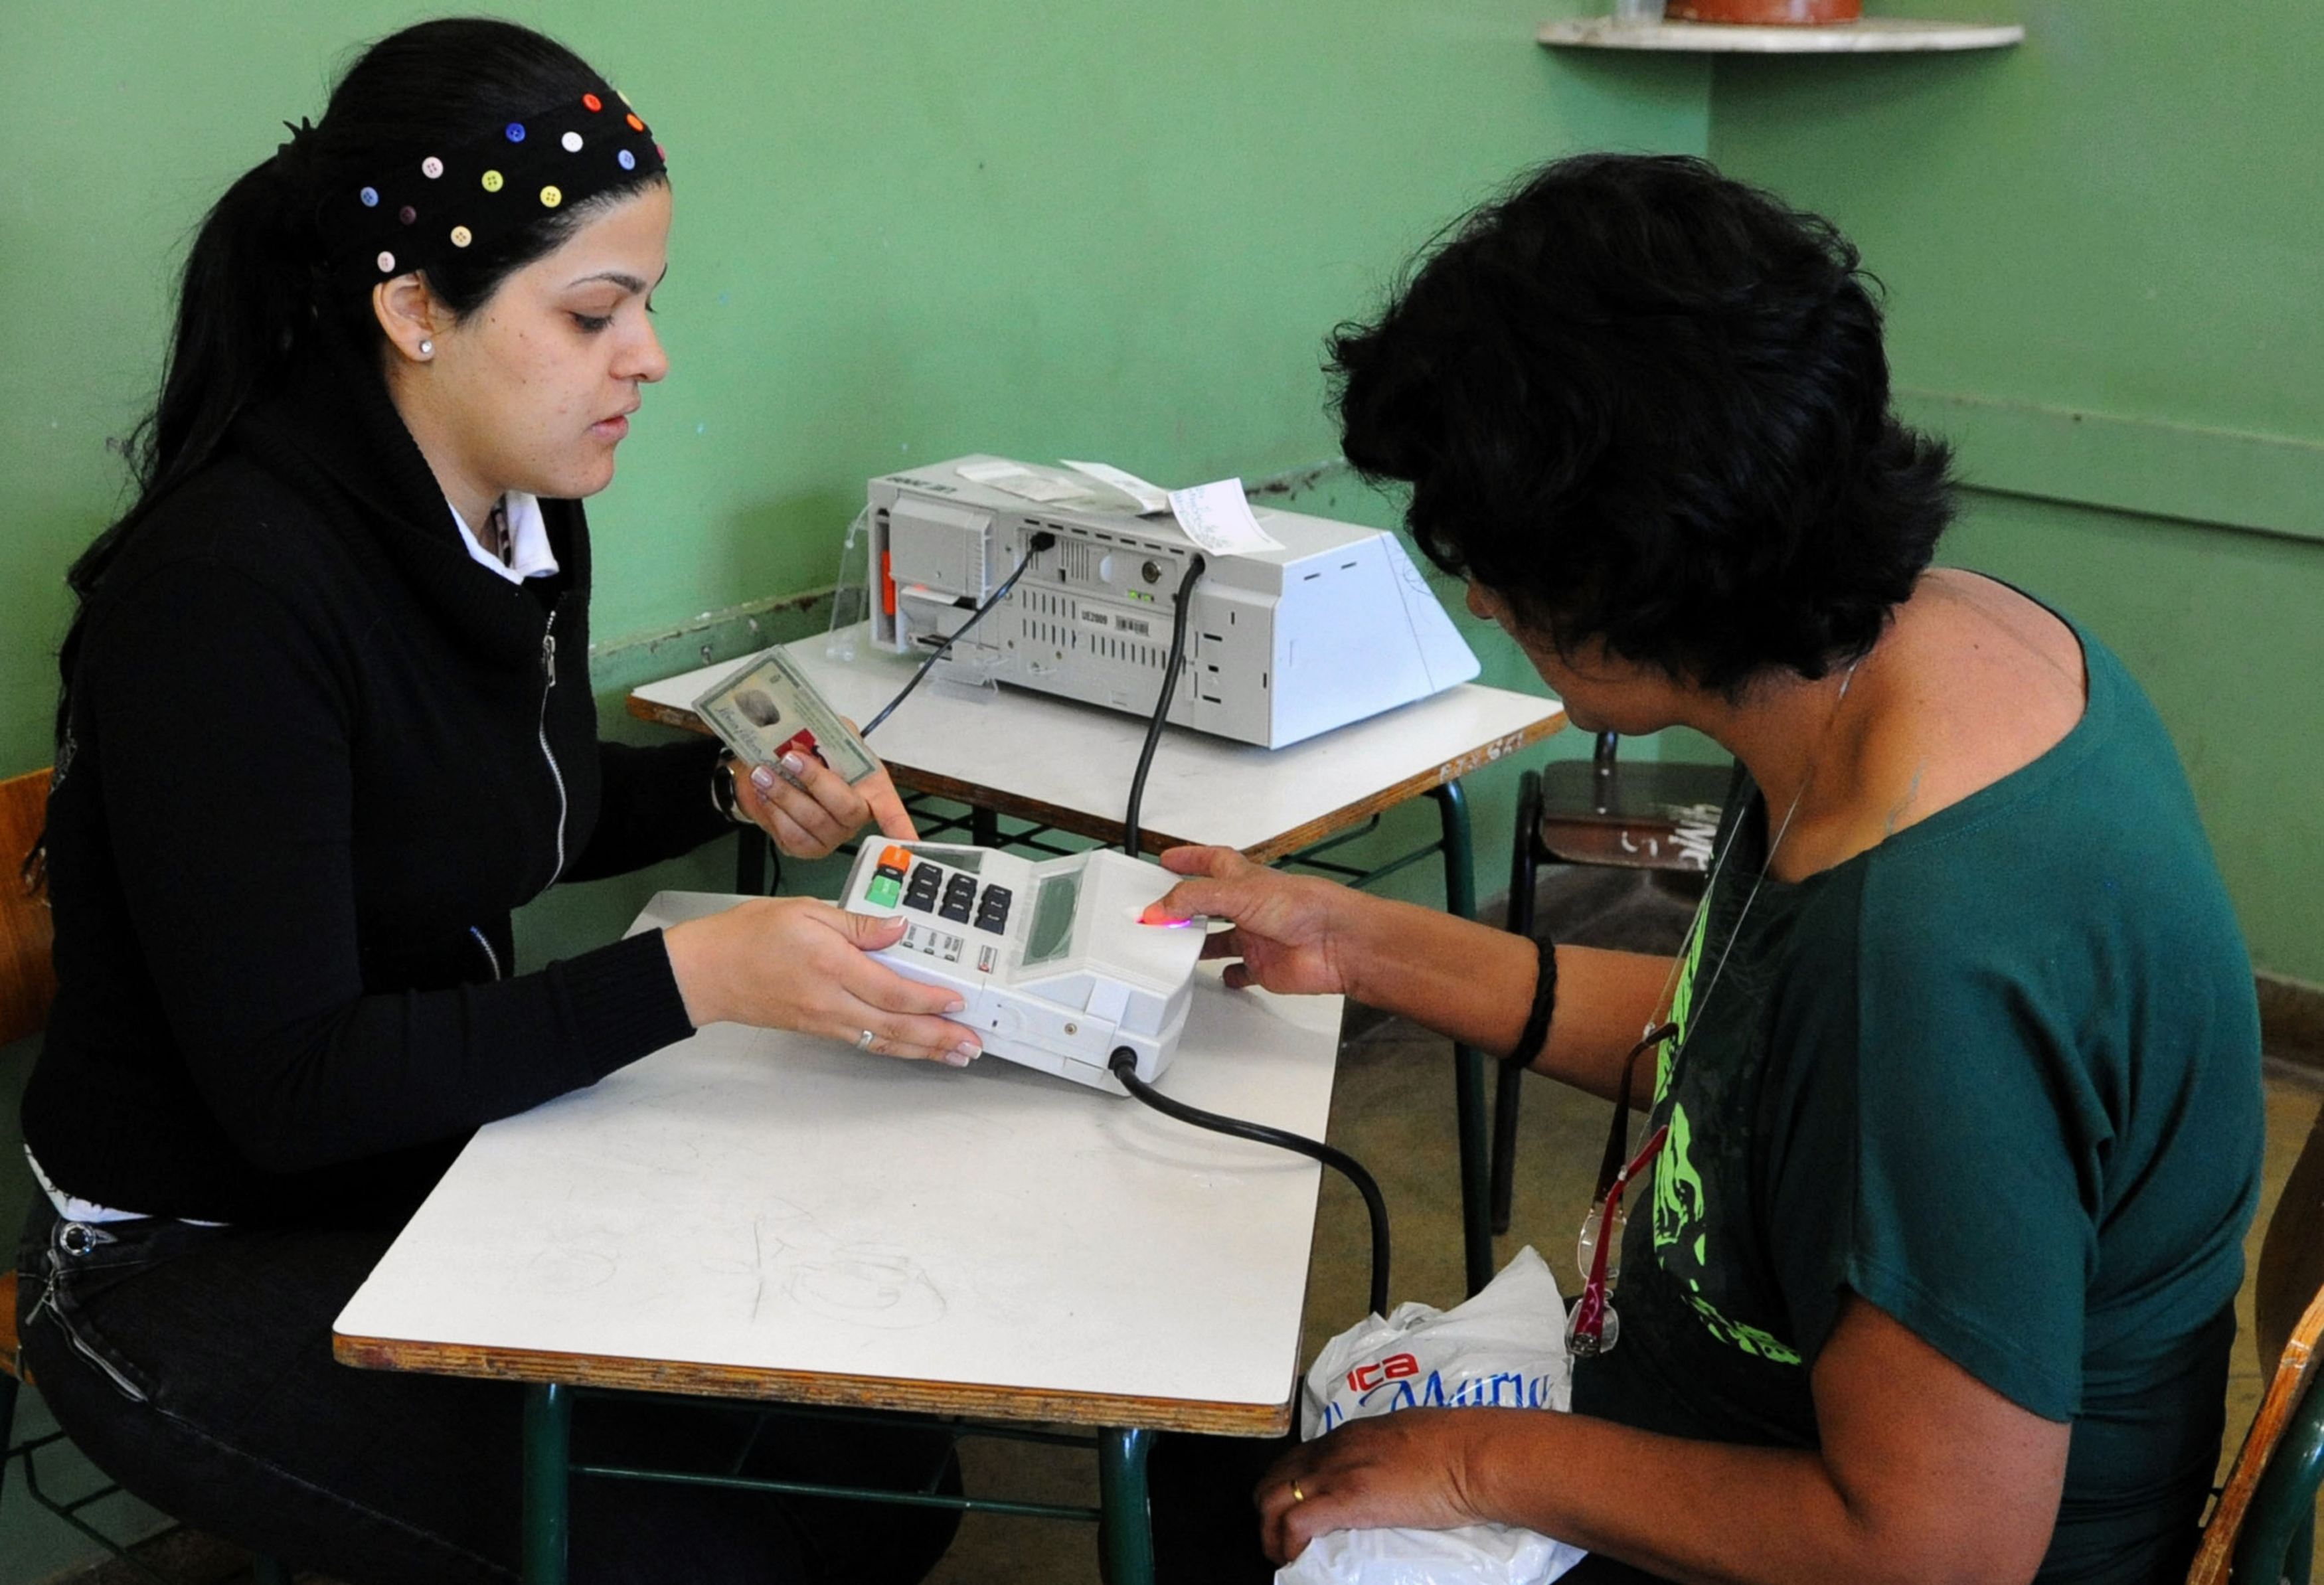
x=1956, y=1126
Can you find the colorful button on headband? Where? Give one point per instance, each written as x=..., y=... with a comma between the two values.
x=461, y=198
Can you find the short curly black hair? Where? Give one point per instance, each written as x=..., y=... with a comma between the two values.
x=1647, y=405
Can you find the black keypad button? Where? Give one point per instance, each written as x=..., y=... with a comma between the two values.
x=960, y=893
x=920, y=891
x=992, y=910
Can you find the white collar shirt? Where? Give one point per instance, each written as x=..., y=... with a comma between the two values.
x=530, y=556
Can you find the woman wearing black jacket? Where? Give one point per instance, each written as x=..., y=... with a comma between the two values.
x=407, y=347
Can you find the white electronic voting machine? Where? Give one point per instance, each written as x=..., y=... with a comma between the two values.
x=1049, y=956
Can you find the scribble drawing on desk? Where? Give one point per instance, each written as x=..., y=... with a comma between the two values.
x=567, y=1269
x=583, y=1250
x=869, y=1284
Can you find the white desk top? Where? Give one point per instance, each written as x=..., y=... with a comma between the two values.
x=764, y=1215
x=1070, y=764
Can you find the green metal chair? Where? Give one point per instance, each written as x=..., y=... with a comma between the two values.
x=1649, y=816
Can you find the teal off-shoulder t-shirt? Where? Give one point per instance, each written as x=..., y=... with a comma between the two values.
x=1999, y=1076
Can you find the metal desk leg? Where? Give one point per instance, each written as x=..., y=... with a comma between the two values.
x=983, y=827
x=1509, y=1091
x=1127, y=1531
x=7, y=1415
x=750, y=862
x=1469, y=1063
x=547, y=1451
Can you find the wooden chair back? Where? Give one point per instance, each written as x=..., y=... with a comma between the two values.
x=10, y=1364
x=28, y=981
x=2287, y=1423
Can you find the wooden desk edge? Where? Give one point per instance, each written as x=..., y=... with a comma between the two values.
x=796, y=1386
x=1153, y=841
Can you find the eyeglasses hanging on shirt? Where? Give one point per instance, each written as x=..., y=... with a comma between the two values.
x=1591, y=1327
x=514, y=542
x=496, y=531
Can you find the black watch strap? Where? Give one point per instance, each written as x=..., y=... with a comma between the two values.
x=723, y=795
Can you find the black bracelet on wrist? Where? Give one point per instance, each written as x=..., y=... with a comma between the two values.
x=1535, y=1034
x=723, y=795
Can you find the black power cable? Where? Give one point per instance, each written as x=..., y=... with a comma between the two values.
x=1123, y=1064
x=1129, y=831
x=942, y=646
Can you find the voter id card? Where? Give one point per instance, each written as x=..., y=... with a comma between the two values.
x=767, y=708
x=1049, y=957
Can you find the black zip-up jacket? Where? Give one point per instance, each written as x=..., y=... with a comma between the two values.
x=314, y=757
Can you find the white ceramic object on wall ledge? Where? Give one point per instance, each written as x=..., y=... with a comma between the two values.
x=1871, y=35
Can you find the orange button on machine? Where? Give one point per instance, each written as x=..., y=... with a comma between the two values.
x=894, y=858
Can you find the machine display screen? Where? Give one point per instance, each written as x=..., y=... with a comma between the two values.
x=969, y=861
x=1052, y=935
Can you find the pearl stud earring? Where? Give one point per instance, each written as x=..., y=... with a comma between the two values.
x=427, y=348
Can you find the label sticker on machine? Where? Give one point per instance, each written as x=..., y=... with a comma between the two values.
x=1152, y=499
x=1034, y=484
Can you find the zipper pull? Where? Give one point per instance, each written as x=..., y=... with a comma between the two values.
x=549, y=650
x=492, y=958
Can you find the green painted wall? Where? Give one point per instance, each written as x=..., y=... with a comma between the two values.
x=904, y=231
x=2102, y=251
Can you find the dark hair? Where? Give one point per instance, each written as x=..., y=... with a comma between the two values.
x=260, y=291
x=1648, y=406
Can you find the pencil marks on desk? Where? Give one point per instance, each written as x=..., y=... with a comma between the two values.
x=564, y=1269
x=887, y=1288
x=582, y=1249
x=763, y=1266
x=794, y=1258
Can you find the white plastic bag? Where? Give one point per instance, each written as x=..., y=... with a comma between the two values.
x=1474, y=1555
x=1505, y=1349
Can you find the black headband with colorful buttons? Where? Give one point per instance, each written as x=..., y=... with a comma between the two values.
x=477, y=192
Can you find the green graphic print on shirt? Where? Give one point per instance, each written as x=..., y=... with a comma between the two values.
x=1681, y=1222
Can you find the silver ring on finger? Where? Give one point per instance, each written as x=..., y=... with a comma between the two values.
x=863, y=1041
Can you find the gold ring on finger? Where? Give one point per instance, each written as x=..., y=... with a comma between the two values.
x=1297, y=1495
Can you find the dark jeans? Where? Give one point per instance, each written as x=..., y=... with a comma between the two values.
x=1207, y=1528
x=194, y=1366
